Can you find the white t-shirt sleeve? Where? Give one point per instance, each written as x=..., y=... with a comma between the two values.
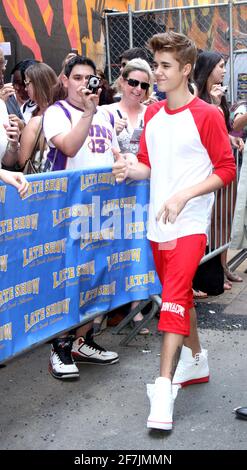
x=55, y=123
x=4, y=119
x=115, y=144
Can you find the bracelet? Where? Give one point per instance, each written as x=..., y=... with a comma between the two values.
x=11, y=147
x=87, y=115
x=90, y=114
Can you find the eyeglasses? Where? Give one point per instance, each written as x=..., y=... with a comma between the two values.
x=135, y=83
x=27, y=82
x=17, y=83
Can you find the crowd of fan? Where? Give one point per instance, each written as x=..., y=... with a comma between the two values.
x=39, y=113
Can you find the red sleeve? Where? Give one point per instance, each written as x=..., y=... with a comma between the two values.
x=143, y=151
x=215, y=138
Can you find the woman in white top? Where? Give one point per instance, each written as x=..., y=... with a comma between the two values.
x=128, y=114
x=129, y=111
x=40, y=80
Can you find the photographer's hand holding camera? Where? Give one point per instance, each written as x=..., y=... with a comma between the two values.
x=83, y=93
x=89, y=98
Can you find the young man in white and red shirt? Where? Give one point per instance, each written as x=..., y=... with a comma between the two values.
x=185, y=150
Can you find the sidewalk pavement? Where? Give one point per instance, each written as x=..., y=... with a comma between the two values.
x=107, y=407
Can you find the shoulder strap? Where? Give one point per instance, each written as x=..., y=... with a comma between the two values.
x=112, y=121
x=65, y=110
x=36, y=142
x=42, y=141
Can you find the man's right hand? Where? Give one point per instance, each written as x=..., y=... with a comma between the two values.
x=120, y=167
x=89, y=100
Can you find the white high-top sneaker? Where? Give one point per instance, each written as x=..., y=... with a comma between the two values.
x=61, y=364
x=191, y=370
x=161, y=395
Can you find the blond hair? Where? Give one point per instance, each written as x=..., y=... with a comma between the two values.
x=139, y=65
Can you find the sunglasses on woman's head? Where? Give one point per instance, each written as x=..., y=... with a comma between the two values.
x=134, y=83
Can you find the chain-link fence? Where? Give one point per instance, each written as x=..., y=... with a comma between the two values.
x=220, y=27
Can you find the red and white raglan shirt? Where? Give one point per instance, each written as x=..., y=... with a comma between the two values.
x=183, y=147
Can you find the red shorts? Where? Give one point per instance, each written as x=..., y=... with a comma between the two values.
x=176, y=264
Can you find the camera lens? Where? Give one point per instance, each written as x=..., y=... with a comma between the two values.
x=93, y=82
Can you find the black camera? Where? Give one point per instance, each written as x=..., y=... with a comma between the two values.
x=93, y=83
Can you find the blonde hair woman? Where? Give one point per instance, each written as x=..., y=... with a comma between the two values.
x=129, y=112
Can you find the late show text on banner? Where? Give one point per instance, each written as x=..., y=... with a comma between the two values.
x=74, y=247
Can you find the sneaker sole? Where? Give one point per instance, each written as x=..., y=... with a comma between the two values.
x=62, y=376
x=159, y=425
x=193, y=382
x=78, y=360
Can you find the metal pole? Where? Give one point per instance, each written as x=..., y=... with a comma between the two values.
x=130, y=26
x=108, y=55
x=180, y=21
x=230, y=8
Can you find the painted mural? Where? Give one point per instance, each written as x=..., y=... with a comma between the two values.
x=48, y=29
x=209, y=27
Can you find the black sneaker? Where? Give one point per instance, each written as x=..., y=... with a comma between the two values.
x=61, y=365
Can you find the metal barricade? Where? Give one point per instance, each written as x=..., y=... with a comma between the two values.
x=222, y=216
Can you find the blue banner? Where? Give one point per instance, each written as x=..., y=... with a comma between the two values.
x=75, y=246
